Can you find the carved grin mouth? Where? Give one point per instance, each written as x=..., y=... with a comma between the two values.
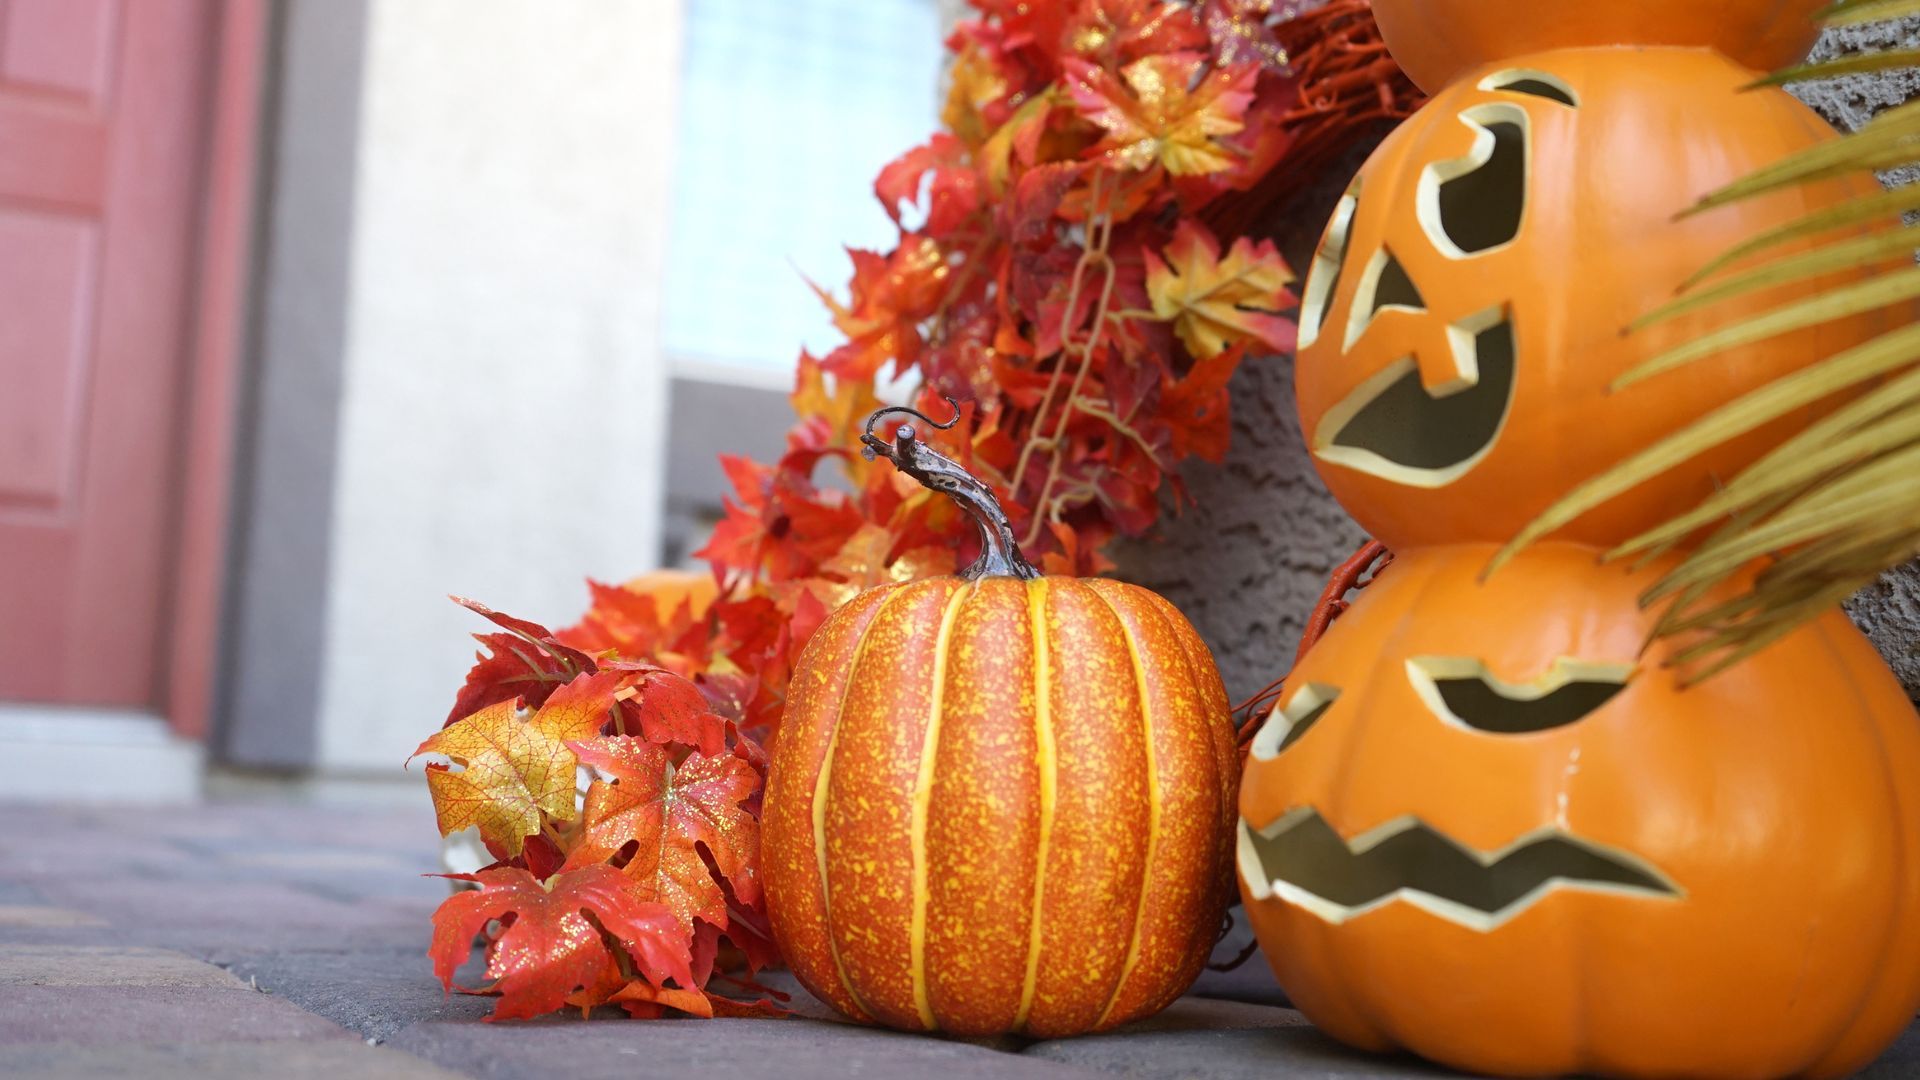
x=1392, y=426
x=1302, y=860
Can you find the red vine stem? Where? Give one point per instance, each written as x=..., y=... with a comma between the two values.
x=1360, y=570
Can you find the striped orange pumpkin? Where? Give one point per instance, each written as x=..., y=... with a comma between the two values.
x=1002, y=804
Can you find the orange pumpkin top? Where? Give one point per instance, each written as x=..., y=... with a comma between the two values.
x=1436, y=41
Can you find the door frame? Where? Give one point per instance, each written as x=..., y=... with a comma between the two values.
x=216, y=350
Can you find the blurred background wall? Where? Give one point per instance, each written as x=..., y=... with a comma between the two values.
x=497, y=428
x=509, y=275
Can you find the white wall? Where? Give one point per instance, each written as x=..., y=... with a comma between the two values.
x=503, y=389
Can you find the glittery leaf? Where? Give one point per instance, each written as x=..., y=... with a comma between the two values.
x=669, y=812
x=515, y=767
x=551, y=948
x=1215, y=303
x=1155, y=117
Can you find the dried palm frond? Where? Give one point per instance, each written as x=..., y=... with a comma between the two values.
x=1833, y=507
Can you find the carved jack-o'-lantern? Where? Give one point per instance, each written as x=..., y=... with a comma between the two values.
x=1465, y=316
x=1481, y=827
x=1435, y=41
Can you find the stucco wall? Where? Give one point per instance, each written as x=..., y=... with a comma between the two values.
x=1247, y=563
x=1889, y=611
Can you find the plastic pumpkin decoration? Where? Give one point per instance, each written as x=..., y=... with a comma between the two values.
x=1486, y=822
x=1465, y=317
x=1482, y=827
x=1435, y=41
x=999, y=802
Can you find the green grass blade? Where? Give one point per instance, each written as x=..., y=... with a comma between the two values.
x=1846, y=255
x=1854, y=434
x=1855, y=12
x=1891, y=138
x=1883, y=290
x=1900, y=200
x=1857, y=64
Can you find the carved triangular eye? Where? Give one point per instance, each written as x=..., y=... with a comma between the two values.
x=1396, y=289
x=1289, y=723
x=1384, y=284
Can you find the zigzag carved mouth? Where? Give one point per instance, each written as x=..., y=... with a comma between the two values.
x=1302, y=860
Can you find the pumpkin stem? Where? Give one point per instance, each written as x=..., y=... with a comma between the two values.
x=999, y=552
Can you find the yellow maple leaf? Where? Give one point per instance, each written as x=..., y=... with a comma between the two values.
x=1162, y=114
x=973, y=84
x=515, y=766
x=1216, y=303
x=843, y=404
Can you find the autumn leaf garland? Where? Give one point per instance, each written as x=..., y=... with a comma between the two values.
x=1053, y=271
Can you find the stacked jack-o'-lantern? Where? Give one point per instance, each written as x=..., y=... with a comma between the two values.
x=1482, y=824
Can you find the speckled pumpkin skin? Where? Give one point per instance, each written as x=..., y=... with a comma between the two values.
x=1002, y=806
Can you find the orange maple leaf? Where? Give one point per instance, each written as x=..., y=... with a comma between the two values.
x=862, y=564
x=666, y=810
x=515, y=768
x=643, y=999
x=1161, y=114
x=551, y=948
x=832, y=407
x=1216, y=303
x=1195, y=408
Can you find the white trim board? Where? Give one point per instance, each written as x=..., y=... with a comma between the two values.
x=55, y=753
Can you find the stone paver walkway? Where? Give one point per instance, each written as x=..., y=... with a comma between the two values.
x=258, y=939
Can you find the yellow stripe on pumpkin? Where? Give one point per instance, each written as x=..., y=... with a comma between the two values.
x=922, y=797
x=1047, y=760
x=869, y=805
x=1097, y=854
x=793, y=855
x=1174, y=926
x=984, y=819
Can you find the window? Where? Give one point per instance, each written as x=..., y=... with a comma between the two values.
x=787, y=112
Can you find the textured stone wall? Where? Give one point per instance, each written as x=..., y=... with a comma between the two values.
x=1247, y=563
x=1888, y=611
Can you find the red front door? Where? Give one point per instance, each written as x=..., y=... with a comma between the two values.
x=102, y=120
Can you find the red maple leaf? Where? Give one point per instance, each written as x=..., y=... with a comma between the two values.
x=527, y=662
x=666, y=708
x=556, y=940
x=888, y=297
x=507, y=667
x=669, y=813
x=1242, y=33
x=1123, y=31
x=952, y=195
x=1195, y=408
x=646, y=1001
